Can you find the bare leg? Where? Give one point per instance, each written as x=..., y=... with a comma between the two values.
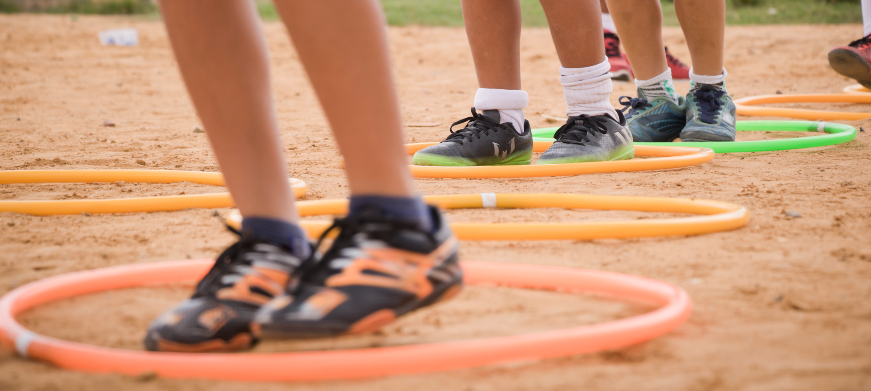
x=224, y=63
x=640, y=25
x=493, y=29
x=578, y=43
x=604, y=5
x=360, y=100
x=704, y=24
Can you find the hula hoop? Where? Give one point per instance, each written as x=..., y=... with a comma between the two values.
x=835, y=134
x=675, y=308
x=664, y=158
x=856, y=89
x=745, y=106
x=121, y=205
x=716, y=216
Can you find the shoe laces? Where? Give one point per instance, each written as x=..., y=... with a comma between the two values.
x=577, y=129
x=476, y=125
x=672, y=60
x=634, y=105
x=354, y=229
x=237, y=260
x=709, y=104
x=612, y=46
x=861, y=42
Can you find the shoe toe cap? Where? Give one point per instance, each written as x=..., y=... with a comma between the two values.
x=200, y=325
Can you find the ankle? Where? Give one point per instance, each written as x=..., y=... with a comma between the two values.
x=659, y=86
x=278, y=232
x=510, y=104
x=587, y=90
x=404, y=209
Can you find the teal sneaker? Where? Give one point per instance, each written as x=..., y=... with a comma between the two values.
x=654, y=120
x=710, y=115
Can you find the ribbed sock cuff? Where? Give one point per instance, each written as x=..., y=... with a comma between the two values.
x=510, y=104
x=278, y=232
x=706, y=79
x=409, y=209
x=587, y=90
x=660, y=85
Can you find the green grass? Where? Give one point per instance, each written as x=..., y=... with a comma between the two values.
x=448, y=12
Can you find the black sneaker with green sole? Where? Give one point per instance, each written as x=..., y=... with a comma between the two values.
x=483, y=142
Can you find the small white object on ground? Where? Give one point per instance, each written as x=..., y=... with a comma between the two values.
x=119, y=37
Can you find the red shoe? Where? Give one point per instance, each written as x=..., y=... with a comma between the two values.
x=620, y=69
x=853, y=60
x=679, y=70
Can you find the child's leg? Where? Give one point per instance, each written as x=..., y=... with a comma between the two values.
x=355, y=87
x=497, y=133
x=223, y=60
x=703, y=23
x=640, y=26
x=576, y=28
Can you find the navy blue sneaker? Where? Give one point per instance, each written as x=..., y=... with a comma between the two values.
x=710, y=115
x=654, y=120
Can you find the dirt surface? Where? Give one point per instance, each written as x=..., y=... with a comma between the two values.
x=781, y=304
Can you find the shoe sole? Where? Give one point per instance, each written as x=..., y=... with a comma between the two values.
x=852, y=65
x=367, y=324
x=427, y=159
x=626, y=154
x=622, y=75
x=703, y=137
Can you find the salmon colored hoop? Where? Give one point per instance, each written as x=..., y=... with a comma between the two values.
x=122, y=205
x=745, y=106
x=716, y=216
x=675, y=308
x=856, y=89
x=663, y=158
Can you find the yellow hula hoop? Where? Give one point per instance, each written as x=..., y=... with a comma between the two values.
x=745, y=106
x=663, y=158
x=856, y=89
x=121, y=205
x=716, y=216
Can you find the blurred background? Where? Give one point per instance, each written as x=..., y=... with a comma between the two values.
x=448, y=13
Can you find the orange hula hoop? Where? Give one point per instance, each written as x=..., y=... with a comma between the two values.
x=663, y=158
x=675, y=307
x=745, y=106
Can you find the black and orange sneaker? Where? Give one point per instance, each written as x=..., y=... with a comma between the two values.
x=217, y=317
x=375, y=271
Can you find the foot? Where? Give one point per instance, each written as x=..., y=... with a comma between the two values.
x=853, y=60
x=375, y=271
x=218, y=316
x=710, y=115
x=590, y=139
x=679, y=70
x=483, y=142
x=655, y=120
x=620, y=69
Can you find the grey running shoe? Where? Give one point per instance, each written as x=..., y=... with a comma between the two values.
x=483, y=142
x=710, y=115
x=590, y=139
x=654, y=120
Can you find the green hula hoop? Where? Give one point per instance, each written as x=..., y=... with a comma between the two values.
x=835, y=134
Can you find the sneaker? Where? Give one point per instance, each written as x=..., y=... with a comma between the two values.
x=483, y=142
x=854, y=60
x=710, y=115
x=590, y=139
x=375, y=271
x=620, y=69
x=217, y=317
x=655, y=120
x=679, y=70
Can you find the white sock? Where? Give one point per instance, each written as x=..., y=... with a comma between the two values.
x=660, y=86
x=608, y=23
x=705, y=79
x=510, y=104
x=866, y=16
x=587, y=90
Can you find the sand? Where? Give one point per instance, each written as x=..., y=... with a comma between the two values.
x=781, y=304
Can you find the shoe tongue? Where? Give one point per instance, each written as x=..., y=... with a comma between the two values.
x=492, y=115
x=709, y=87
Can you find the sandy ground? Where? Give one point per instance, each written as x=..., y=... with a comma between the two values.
x=781, y=304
